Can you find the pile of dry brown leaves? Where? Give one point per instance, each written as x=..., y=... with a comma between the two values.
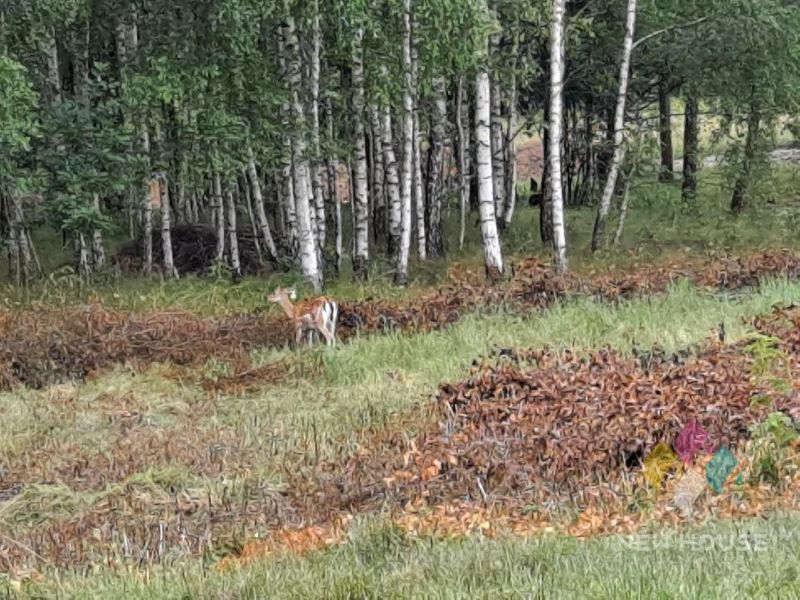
x=45, y=346
x=539, y=428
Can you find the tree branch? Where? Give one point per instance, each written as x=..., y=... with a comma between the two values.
x=667, y=29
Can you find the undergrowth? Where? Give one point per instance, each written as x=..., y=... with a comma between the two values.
x=659, y=227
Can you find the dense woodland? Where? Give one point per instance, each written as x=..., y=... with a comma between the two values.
x=325, y=131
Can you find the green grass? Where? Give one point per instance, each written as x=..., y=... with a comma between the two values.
x=724, y=560
x=360, y=385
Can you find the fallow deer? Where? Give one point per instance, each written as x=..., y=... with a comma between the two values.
x=317, y=314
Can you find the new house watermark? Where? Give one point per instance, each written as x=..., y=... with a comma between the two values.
x=735, y=541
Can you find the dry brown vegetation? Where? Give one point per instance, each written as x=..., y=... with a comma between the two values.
x=45, y=346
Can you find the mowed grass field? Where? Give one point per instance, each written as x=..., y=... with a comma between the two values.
x=332, y=397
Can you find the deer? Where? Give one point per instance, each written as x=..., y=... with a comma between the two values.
x=317, y=314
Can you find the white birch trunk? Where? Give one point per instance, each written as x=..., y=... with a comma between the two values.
x=463, y=173
x=401, y=275
x=435, y=241
x=511, y=143
x=392, y=183
x=379, y=178
x=98, y=249
x=22, y=247
x=623, y=211
x=166, y=231
x=248, y=204
x=84, y=266
x=493, y=257
x=316, y=161
x=261, y=215
x=302, y=185
x=598, y=236
x=419, y=194
x=287, y=192
x=333, y=193
x=233, y=238
x=219, y=217
x=360, y=205
x=498, y=149
x=183, y=210
x=555, y=134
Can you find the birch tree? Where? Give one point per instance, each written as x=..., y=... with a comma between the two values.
x=316, y=162
x=418, y=194
x=406, y=176
x=598, y=235
x=302, y=185
x=690, y=150
x=492, y=254
x=498, y=146
x=557, y=52
x=361, y=185
x=463, y=174
x=392, y=183
x=435, y=241
x=166, y=229
x=260, y=213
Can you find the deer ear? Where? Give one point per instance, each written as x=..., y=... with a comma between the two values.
x=293, y=293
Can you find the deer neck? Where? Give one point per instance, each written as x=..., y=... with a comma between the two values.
x=287, y=307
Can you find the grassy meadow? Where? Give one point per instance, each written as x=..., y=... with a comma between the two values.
x=333, y=396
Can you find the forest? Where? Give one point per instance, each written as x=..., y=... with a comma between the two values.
x=558, y=246
x=318, y=137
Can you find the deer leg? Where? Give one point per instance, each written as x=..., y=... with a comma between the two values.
x=298, y=338
x=328, y=336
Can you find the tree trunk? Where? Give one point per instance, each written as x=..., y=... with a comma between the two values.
x=22, y=247
x=435, y=241
x=406, y=176
x=316, y=161
x=419, y=194
x=248, y=200
x=219, y=217
x=98, y=250
x=498, y=149
x=665, y=132
x=233, y=238
x=333, y=193
x=287, y=199
x=463, y=174
x=260, y=213
x=598, y=235
x=379, y=177
x=53, y=70
x=739, y=198
x=309, y=250
x=557, y=52
x=84, y=265
x=392, y=183
x=546, y=195
x=690, y=151
x=511, y=146
x=623, y=210
x=166, y=232
x=486, y=200
x=361, y=185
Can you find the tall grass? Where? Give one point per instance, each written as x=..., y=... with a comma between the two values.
x=723, y=560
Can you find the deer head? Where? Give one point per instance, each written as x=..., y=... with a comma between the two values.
x=281, y=294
